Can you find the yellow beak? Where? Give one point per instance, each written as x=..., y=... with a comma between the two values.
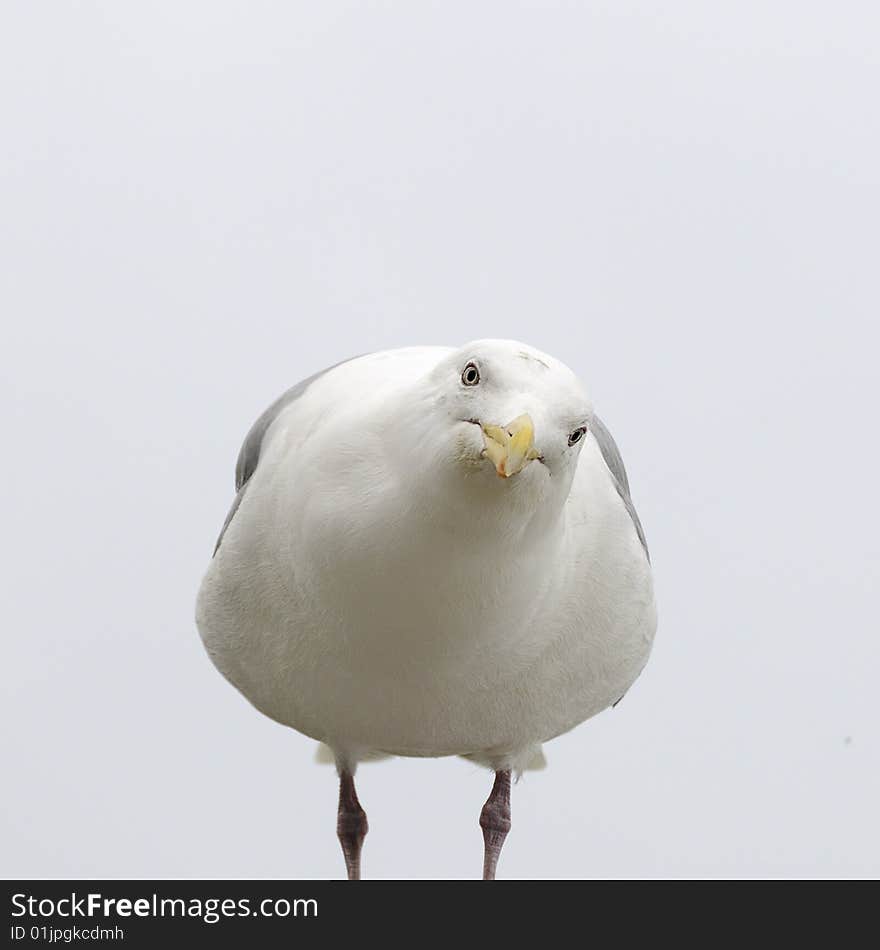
x=510, y=448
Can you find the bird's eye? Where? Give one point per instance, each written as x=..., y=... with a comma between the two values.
x=470, y=375
x=577, y=435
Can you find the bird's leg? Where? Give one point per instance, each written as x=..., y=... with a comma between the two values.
x=351, y=825
x=495, y=822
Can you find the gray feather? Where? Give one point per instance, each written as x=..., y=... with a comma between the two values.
x=249, y=455
x=614, y=461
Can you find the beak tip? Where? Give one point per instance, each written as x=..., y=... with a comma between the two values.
x=510, y=447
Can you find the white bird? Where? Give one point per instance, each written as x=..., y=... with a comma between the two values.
x=432, y=552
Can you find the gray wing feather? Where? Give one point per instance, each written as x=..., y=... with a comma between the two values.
x=253, y=441
x=249, y=455
x=614, y=461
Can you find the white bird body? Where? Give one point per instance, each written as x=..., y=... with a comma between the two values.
x=381, y=590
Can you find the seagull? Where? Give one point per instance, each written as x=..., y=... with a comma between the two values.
x=432, y=552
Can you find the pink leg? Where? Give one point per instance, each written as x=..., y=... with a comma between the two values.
x=495, y=822
x=351, y=825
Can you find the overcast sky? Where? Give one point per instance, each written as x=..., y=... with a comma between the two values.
x=202, y=203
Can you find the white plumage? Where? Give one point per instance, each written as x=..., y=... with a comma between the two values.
x=381, y=589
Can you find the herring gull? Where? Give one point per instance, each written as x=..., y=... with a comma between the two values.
x=431, y=552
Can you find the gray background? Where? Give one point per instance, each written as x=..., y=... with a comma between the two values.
x=204, y=202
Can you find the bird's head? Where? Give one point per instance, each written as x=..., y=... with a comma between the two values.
x=514, y=421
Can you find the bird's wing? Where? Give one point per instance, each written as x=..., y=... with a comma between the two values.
x=614, y=461
x=249, y=455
